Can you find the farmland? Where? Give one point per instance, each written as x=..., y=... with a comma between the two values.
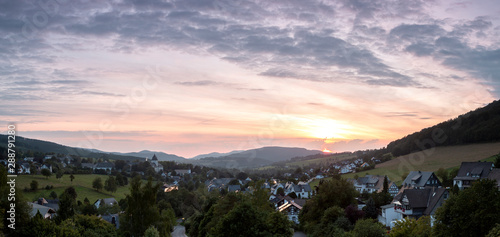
x=430, y=160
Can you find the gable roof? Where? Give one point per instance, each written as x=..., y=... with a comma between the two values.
x=106, y=165
x=233, y=188
x=418, y=178
x=289, y=204
x=474, y=170
x=154, y=157
x=39, y=208
x=426, y=198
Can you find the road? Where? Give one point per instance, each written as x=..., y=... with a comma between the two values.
x=179, y=231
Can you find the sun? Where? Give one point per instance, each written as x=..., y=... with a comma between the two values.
x=328, y=129
x=327, y=151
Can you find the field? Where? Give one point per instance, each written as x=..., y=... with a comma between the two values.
x=82, y=184
x=430, y=160
x=323, y=160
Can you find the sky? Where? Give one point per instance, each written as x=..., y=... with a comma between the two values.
x=190, y=77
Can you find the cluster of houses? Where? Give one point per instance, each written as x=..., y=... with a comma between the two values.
x=422, y=193
x=350, y=166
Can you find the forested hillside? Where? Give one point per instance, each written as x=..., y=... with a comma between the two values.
x=480, y=125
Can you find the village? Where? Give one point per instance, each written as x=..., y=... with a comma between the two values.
x=420, y=194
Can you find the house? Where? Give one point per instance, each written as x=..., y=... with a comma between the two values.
x=105, y=201
x=24, y=168
x=46, y=212
x=217, y=184
x=154, y=163
x=234, y=188
x=374, y=183
x=470, y=172
x=388, y=215
x=302, y=190
x=87, y=166
x=495, y=175
x=291, y=210
x=182, y=172
x=112, y=218
x=414, y=203
x=29, y=159
x=421, y=179
x=365, y=165
x=106, y=166
x=47, y=157
x=47, y=166
x=51, y=203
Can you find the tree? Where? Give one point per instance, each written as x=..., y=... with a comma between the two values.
x=119, y=164
x=368, y=228
x=280, y=191
x=443, y=175
x=151, y=232
x=234, y=182
x=97, y=184
x=471, y=212
x=22, y=209
x=242, y=175
x=110, y=184
x=142, y=210
x=72, y=177
x=34, y=185
x=313, y=210
x=279, y=225
x=497, y=161
x=243, y=220
x=67, y=204
x=46, y=173
x=386, y=185
x=495, y=232
x=370, y=209
x=59, y=174
x=412, y=227
x=53, y=195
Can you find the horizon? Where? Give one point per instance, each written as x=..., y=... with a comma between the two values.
x=191, y=78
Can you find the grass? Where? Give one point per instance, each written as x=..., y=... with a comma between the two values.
x=82, y=184
x=430, y=160
x=323, y=160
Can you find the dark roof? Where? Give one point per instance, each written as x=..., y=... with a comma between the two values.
x=495, y=175
x=105, y=165
x=426, y=198
x=480, y=170
x=233, y=188
x=154, y=157
x=417, y=178
x=109, y=218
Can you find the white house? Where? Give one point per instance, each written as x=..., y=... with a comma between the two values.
x=388, y=216
x=291, y=210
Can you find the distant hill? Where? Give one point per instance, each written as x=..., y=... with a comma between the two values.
x=149, y=154
x=255, y=157
x=478, y=126
x=213, y=155
x=26, y=144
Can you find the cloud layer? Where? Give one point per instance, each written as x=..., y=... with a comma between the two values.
x=231, y=65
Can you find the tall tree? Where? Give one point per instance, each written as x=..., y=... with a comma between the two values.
x=72, y=177
x=59, y=174
x=370, y=209
x=142, y=210
x=97, y=184
x=471, y=212
x=34, y=185
x=46, y=173
x=67, y=204
x=386, y=185
x=110, y=184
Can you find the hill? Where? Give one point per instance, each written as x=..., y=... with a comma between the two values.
x=214, y=155
x=162, y=156
x=24, y=145
x=480, y=125
x=255, y=157
x=430, y=160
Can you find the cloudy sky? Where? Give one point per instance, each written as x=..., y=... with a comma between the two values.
x=195, y=76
